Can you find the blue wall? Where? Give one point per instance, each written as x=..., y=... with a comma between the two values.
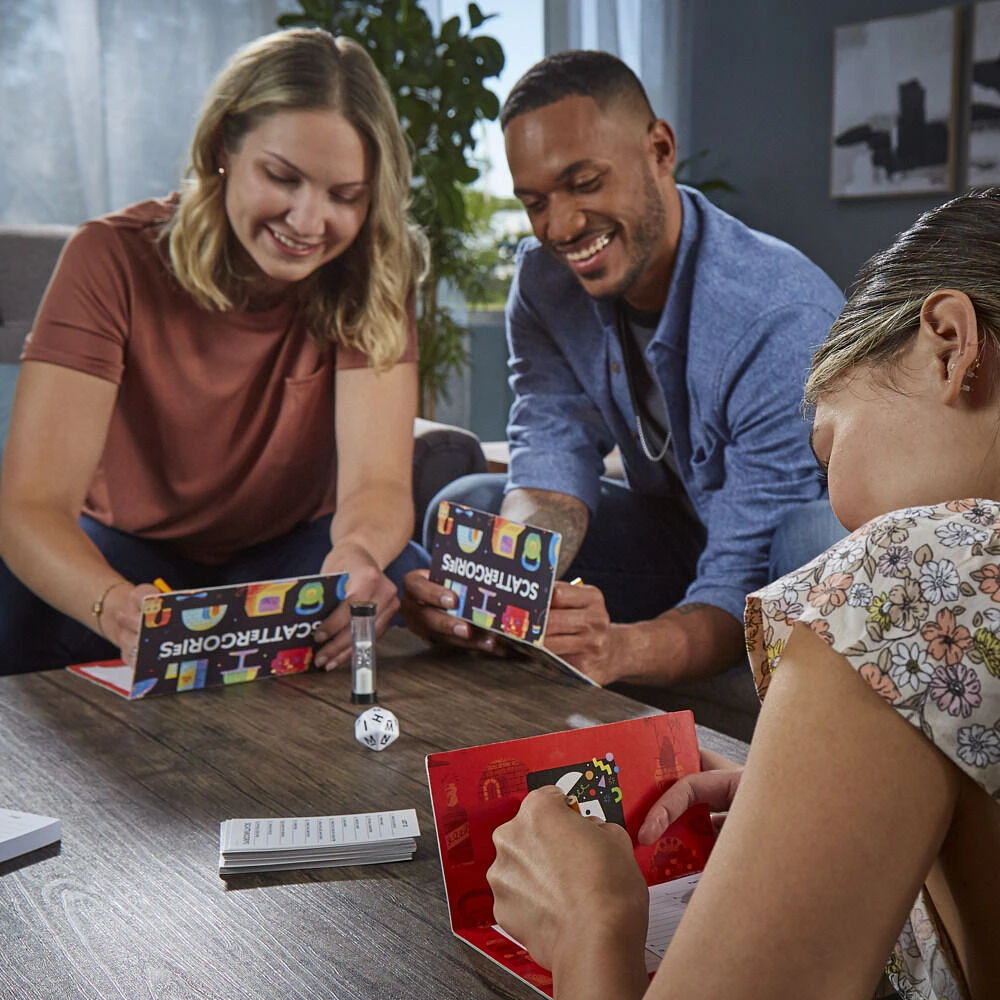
x=760, y=100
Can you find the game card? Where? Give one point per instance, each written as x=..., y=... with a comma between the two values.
x=501, y=571
x=593, y=785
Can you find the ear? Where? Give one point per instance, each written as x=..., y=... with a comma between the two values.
x=949, y=337
x=663, y=145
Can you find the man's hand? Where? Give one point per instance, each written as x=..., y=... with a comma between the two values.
x=425, y=607
x=365, y=582
x=560, y=880
x=715, y=785
x=579, y=630
x=684, y=643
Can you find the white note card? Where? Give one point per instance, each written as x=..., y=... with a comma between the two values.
x=302, y=832
x=23, y=832
x=667, y=903
x=289, y=842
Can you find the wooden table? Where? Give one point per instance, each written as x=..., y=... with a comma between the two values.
x=132, y=905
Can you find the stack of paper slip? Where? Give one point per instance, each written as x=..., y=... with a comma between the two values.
x=258, y=845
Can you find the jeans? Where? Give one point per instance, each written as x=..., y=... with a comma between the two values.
x=34, y=636
x=642, y=552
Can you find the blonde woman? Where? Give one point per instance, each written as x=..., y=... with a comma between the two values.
x=863, y=834
x=220, y=385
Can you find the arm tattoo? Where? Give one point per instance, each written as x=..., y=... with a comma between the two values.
x=555, y=512
x=692, y=608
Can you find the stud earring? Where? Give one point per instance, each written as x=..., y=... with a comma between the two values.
x=971, y=375
x=221, y=171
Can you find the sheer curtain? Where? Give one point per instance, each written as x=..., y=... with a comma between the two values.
x=98, y=98
x=652, y=36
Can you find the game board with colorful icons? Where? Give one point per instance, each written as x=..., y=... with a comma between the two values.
x=191, y=639
x=501, y=571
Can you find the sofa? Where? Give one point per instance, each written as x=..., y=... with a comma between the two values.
x=28, y=255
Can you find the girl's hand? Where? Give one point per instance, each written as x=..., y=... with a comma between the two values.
x=560, y=879
x=715, y=785
x=366, y=582
x=121, y=616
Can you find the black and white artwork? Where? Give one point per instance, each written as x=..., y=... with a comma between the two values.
x=894, y=94
x=984, y=96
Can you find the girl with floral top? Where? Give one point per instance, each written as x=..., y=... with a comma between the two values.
x=862, y=836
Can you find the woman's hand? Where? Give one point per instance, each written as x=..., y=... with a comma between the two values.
x=715, y=785
x=365, y=582
x=121, y=616
x=565, y=886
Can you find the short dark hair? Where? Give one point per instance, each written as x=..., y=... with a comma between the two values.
x=579, y=72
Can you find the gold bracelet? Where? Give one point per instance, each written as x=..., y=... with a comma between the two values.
x=97, y=609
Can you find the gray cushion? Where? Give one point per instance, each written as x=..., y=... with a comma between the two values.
x=8, y=377
x=441, y=454
x=11, y=340
x=28, y=255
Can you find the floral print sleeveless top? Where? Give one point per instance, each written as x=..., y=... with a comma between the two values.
x=912, y=601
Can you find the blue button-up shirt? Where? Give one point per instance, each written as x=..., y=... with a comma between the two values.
x=743, y=315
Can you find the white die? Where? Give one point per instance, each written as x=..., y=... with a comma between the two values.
x=376, y=728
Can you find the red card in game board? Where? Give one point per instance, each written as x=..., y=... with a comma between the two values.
x=501, y=571
x=614, y=772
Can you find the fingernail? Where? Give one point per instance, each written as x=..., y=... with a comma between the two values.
x=320, y=661
x=461, y=630
x=487, y=643
x=320, y=637
x=448, y=600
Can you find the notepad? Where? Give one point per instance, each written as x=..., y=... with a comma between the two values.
x=667, y=903
x=23, y=832
x=293, y=842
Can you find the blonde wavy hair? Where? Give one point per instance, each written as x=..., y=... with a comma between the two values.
x=364, y=297
x=956, y=245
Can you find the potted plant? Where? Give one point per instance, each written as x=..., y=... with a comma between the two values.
x=438, y=81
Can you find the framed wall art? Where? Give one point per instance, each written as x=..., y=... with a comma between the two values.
x=983, y=155
x=894, y=105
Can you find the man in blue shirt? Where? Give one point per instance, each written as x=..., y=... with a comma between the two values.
x=644, y=317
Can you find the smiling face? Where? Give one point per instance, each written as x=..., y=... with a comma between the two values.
x=598, y=189
x=298, y=191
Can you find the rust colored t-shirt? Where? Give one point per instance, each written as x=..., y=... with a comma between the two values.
x=222, y=435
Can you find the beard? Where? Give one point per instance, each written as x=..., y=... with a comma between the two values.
x=646, y=228
x=647, y=234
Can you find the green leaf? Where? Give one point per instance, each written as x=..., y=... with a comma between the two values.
x=450, y=30
x=438, y=83
x=476, y=17
x=490, y=52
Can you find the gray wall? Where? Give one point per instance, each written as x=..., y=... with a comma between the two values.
x=761, y=89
